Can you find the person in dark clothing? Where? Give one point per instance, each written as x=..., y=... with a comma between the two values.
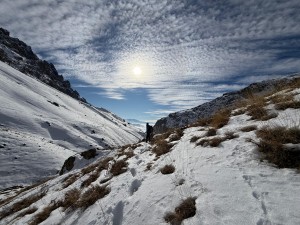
x=149, y=130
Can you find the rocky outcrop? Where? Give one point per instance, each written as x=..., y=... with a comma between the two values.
x=21, y=57
x=186, y=117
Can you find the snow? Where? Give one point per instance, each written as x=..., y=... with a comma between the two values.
x=40, y=127
x=231, y=183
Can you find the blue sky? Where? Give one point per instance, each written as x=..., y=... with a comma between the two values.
x=143, y=59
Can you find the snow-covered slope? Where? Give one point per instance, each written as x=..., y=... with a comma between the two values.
x=231, y=183
x=185, y=117
x=40, y=127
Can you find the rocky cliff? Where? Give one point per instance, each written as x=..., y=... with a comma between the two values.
x=21, y=57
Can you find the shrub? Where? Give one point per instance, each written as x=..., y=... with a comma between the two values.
x=186, y=209
x=272, y=142
x=93, y=194
x=119, y=167
x=167, y=169
x=248, y=128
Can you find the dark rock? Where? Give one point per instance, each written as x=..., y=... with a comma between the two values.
x=89, y=154
x=68, y=165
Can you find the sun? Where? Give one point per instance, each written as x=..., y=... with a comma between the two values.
x=137, y=71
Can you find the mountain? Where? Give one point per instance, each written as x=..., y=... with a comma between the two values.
x=40, y=127
x=21, y=57
x=186, y=117
x=137, y=123
x=240, y=167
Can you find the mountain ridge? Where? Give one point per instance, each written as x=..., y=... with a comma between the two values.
x=20, y=56
x=205, y=110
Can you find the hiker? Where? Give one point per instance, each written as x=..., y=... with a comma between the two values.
x=149, y=130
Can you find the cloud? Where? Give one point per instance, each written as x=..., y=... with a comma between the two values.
x=189, y=51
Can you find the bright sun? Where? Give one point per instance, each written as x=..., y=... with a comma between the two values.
x=137, y=71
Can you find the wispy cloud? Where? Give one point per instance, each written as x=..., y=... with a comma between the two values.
x=189, y=51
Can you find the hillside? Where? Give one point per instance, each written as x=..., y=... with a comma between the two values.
x=239, y=166
x=40, y=127
x=185, y=117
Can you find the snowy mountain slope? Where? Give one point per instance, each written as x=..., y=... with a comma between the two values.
x=40, y=127
x=185, y=117
x=232, y=183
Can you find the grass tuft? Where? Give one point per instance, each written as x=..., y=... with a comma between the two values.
x=119, y=167
x=167, y=169
x=92, y=195
x=161, y=147
x=248, y=128
x=273, y=144
x=186, y=209
x=22, y=204
x=71, y=198
x=45, y=213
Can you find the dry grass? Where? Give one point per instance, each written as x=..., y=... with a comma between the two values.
x=286, y=105
x=167, y=169
x=272, y=142
x=71, y=198
x=248, y=128
x=194, y=139
x=211, y=132
x=128, y=153
x=94, y=176
x=203, y=122
x=176, y=135
x=22, y=204
x=70, y=180
x=186, y=209
x=230, y=135
x=92, y=195
x=256, y=108
x=213, y=142
x=220, y=118
x=27, y=212
x=119, y=167
x=161, y=147
x=45, y=213
x=239, y=112
x=149, y=166
x=89, y=168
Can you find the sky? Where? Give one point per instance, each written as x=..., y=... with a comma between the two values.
x=143, y=59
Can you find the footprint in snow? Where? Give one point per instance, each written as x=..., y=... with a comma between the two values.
x=135, y=185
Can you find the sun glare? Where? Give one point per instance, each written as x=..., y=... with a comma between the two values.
x=137, y=71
